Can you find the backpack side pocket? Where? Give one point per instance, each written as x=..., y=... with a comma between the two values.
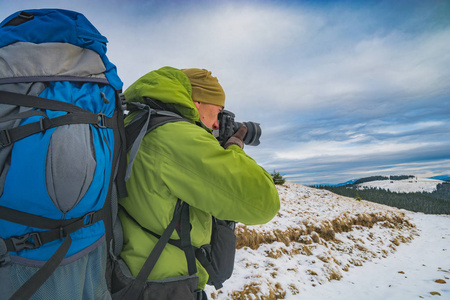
x=70, y=165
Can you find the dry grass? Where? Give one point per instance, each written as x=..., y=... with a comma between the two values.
x=302, y=240
x=249, y=292
x=277, y=253
x=216, y=294
x=306, y=251
x=317, y=233
x=252, y=291
x=294, y=290
x=334, y=275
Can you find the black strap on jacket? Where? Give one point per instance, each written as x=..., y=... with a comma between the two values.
x=206, y=263
x=138, y=284
x=191, y=252
x=181, y=217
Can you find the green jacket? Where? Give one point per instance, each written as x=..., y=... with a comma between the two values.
x=183, y=160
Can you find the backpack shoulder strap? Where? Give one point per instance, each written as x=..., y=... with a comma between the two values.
x=136, y=289
x=184, y=243
x=145, y=121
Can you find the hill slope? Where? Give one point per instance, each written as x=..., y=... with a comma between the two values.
x=411, y=185
x=316, y=237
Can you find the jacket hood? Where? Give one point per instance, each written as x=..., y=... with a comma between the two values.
x=170, y=86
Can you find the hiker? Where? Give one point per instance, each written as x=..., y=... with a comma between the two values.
x=182, y=162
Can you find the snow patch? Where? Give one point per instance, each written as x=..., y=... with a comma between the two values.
x=411, y=185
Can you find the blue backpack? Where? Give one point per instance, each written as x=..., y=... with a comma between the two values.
x=61, y=144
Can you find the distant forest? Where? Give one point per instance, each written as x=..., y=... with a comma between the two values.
x=437, y=202
x=375, y=178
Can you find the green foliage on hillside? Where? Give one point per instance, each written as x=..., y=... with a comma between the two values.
x=443, y=191
x=437, y=202
x=277, y=178
x=376, y=178
x=371, y=178
x=401, y=177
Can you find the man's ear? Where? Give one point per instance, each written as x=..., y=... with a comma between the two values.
x=197, y=104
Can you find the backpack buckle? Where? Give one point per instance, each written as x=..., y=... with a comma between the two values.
x=41, y=125
x=123, y=102
x=5, y=138
x=89, y=219
x=26, y=15
x=101, y=120
x=27, y=241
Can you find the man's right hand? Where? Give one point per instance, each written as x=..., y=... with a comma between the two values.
x=237, y=138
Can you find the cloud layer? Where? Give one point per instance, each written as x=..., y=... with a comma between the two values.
x=341, y=89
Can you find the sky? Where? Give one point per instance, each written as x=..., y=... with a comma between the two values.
x=341, y=89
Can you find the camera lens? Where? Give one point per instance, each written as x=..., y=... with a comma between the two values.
x=253, y=132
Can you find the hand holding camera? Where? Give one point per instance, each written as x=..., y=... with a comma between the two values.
x=231, y=130
x=237, y=138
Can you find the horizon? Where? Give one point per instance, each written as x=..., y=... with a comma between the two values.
x=386, y=175
x=342, y=89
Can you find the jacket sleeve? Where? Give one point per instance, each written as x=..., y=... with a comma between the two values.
x=227, y=183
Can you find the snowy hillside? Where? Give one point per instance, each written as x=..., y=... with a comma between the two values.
x=411, y=185
x=317, y=239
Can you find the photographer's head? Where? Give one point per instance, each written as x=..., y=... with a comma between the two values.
x=207, y=94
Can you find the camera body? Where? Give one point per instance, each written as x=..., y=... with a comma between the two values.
x=227, y=127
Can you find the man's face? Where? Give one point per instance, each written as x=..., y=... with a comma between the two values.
x=209, y=114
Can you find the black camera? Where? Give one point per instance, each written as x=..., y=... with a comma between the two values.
x=227, y=127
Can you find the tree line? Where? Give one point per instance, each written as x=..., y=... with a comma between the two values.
x=376, y=178
x=437, y=202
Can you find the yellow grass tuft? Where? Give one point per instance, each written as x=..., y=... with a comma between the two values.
x=294, y=290
x=253, y=291
x=216, y=294
x=306, y=251
x=334, y=275
x=250, y=290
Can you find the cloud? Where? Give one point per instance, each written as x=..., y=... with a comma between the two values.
x=340, y=88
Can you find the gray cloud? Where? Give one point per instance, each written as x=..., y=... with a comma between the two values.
x=341, y=89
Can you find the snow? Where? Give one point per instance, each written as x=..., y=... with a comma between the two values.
x=410, y=273
x=325, y=246
x=411, y=185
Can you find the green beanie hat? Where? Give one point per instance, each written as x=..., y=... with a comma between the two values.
x=205, y=87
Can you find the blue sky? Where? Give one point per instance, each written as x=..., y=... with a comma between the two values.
x=342, y=89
